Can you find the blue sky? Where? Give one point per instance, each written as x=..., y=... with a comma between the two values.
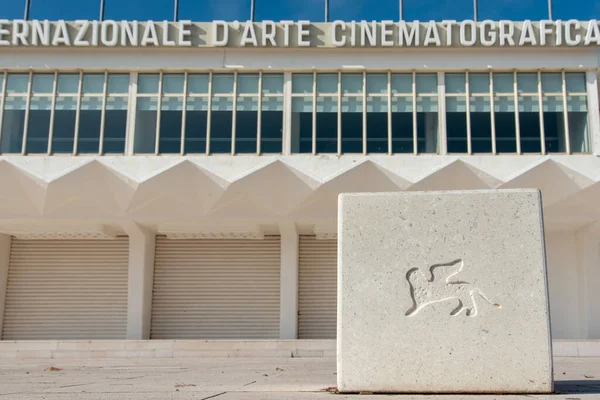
x=207, y=10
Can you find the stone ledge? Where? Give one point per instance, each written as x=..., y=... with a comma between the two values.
x=63, y=349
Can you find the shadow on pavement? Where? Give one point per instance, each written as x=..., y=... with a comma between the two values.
x=579, y=386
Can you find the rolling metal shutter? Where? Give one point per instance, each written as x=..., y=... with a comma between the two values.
x=216, y=289
x=317, y=288
x=66, y=289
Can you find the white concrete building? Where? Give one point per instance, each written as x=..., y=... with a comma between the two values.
x=190, y=192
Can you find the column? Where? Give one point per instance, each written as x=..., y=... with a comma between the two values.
x=593, y=106
x=141, y=276
x=589, y=241
x=4, y=262
x=288, y=300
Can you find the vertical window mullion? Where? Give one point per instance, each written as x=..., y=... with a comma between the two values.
x=131, y=113
x=364, y=111
x=565, y=113
x=52, y=111
x=27, y=106
x=209, y=114
x=158, y=112
x=2, y=101
x=184, y=112
x=492, y=111
x=234, y=113
x=414, y=112
x=103, y=116
x=442, y=131
x=339, y=114
x=78, y=115
x=517, y=125
x=286, y=135
x=389, y=113
x=468, y=113
x=541, y=113
x=314, y=114
x=259, y=114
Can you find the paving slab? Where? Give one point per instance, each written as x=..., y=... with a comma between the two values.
x=232, y=379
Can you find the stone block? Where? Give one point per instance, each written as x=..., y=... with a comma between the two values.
x=443, y=292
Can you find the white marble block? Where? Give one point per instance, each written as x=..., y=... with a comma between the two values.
x=443, y=292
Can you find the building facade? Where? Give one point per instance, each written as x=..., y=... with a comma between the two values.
x=190, y=192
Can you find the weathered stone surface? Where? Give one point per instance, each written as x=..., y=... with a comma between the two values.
x=443, y=292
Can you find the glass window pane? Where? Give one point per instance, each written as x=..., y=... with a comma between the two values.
x=377, y=124
x=402, y=104
x=575, y=82
x=198, y=83
x=479, y=83
x=427, y=132
x=302, y=124
x=327, y=124
x=222, y=83
x=529, y=127
x=42, y=83
x=247, y=84
x=221, y=125
x=272, y=83
x=455, y=83
x=327, y=83
x=89, y=125
x=527, y=82
x=173, y=83
x=38, y=126
x=427, y=104
x=17, y=83
x=579, y=134
x=577, y=103
x=352, y=125
x=551, y=82
x=63, y=136
x=352, y=83
x=93, y=83
x=115, y=125
x=456, y=124
x=504, y=104
x=170, y=125
x=195, y=125
x=552, y=103
x=119, y=83
x=246, y=125
x=554, y=132
x=506, y=130
x=302, y=83
x=68, y=83
x=529, y=104
x=377, y=83
x=271, y=125
x=13, y=122
x=481, y=125
x=426, y=83
x=503, y=83
x=147, y=83
x=145, y=125
x=402, y=83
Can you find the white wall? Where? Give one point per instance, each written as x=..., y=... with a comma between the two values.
x=564, y=280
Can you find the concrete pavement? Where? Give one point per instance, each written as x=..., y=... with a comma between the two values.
x=230, y=379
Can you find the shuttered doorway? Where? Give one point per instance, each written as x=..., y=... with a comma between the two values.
x=216, y=289
x=66, y=289
x=317, y=288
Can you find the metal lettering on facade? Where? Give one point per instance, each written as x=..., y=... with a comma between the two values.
x=283, y=34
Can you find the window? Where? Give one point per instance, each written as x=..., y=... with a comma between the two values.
x=505, y=123
x=331, y=112
x=368, y=113
x=577, y=112
x=16, y=89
